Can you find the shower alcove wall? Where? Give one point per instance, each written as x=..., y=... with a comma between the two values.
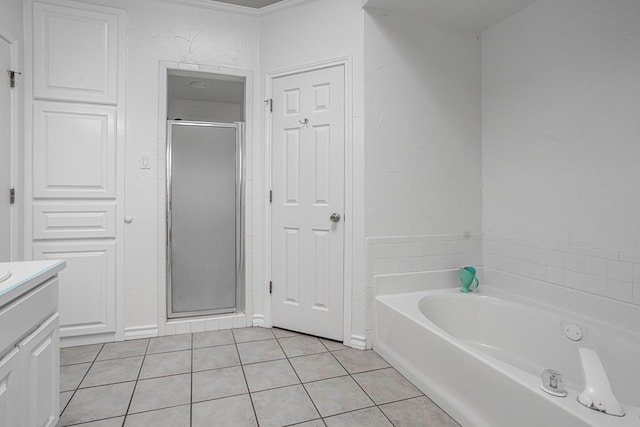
x=203, y=267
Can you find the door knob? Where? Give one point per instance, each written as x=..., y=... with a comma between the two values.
x=335, y=217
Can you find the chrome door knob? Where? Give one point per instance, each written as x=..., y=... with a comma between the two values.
x=335, y=217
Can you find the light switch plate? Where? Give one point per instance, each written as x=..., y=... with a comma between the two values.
x=145, y=161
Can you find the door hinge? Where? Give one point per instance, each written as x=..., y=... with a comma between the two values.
x=270, y=102
x=270, y=287
x=12, y=196
x=12, y=77
x=270, y=196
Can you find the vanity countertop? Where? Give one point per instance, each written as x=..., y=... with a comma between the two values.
x=25, y=276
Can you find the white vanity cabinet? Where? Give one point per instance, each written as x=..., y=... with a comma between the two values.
x=10, y=389
x=29, y=344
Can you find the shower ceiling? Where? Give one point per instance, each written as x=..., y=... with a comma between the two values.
x=200, y=88
x=254, y=4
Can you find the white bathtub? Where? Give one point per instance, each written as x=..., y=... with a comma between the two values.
x=479, y=356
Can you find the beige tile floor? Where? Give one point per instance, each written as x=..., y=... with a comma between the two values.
x=240, y=377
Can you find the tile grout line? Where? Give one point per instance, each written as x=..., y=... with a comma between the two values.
x=101, y=385
x=386, y=403
x=375, y=405
x=135, y=385
x=249, y=392
x=299, y=379
x=80, y=383
x=304, y=422
x=244, y=375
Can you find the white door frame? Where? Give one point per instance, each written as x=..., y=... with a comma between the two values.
x=348, y=186
x=15, y=158
x=237, y=320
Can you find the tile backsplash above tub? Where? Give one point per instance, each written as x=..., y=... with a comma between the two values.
x=405, y=254
x=607, y=273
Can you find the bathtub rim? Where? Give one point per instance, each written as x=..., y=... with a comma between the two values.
x=619, y=315
x=440, y=394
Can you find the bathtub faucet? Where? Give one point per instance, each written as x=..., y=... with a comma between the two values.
x=597, y=393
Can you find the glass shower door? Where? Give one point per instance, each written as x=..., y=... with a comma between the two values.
x=204, y=219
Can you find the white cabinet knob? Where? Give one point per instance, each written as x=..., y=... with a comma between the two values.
x=128, y=219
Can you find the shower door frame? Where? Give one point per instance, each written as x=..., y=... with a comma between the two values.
x=240, y=214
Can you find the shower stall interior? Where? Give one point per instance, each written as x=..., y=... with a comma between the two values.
x=204, y=218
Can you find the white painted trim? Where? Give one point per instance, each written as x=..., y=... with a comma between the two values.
x=27, y=75
x=258, y=320
x=242, y=10
x=348, y=274
x=135, y=332
x=73, y=341
x=286, y=4
x=161, y=273
x=16, y=210
x=358, y=342
x=121, y=160
x=217, y=6
x=165, y=326
x=268, y=90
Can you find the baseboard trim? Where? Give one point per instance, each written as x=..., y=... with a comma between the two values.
x=358, y=342
x=258, y=320
x=73, y=341
x=136, y=332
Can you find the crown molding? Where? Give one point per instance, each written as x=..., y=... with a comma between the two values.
x=242, y=10
x=214, y=5
x=286, y=4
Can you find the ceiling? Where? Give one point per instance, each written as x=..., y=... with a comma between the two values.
x=466, y=15
x=254, y=4
x=218, y=89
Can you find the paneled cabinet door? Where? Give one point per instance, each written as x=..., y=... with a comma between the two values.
x=11, y=403
x=40, y=355
x=75, y=53
x=87, y=284
x=74, y=150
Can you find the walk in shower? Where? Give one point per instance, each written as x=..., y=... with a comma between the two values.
x=205, y=214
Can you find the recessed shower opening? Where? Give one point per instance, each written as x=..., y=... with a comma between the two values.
x=205, y=189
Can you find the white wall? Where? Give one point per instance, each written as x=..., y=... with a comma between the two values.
x=423, y=149
x=561, y=88
x=161, y=31
x=561, y=84
x=11, y=22
x=205, y=111
x=423, y=127
x=310, y=33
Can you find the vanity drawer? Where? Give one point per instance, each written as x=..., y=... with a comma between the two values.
x=25, y=314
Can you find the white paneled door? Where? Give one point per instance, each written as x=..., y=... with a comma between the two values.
x=77, y=160
x=308, y=173
x=5, y=151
